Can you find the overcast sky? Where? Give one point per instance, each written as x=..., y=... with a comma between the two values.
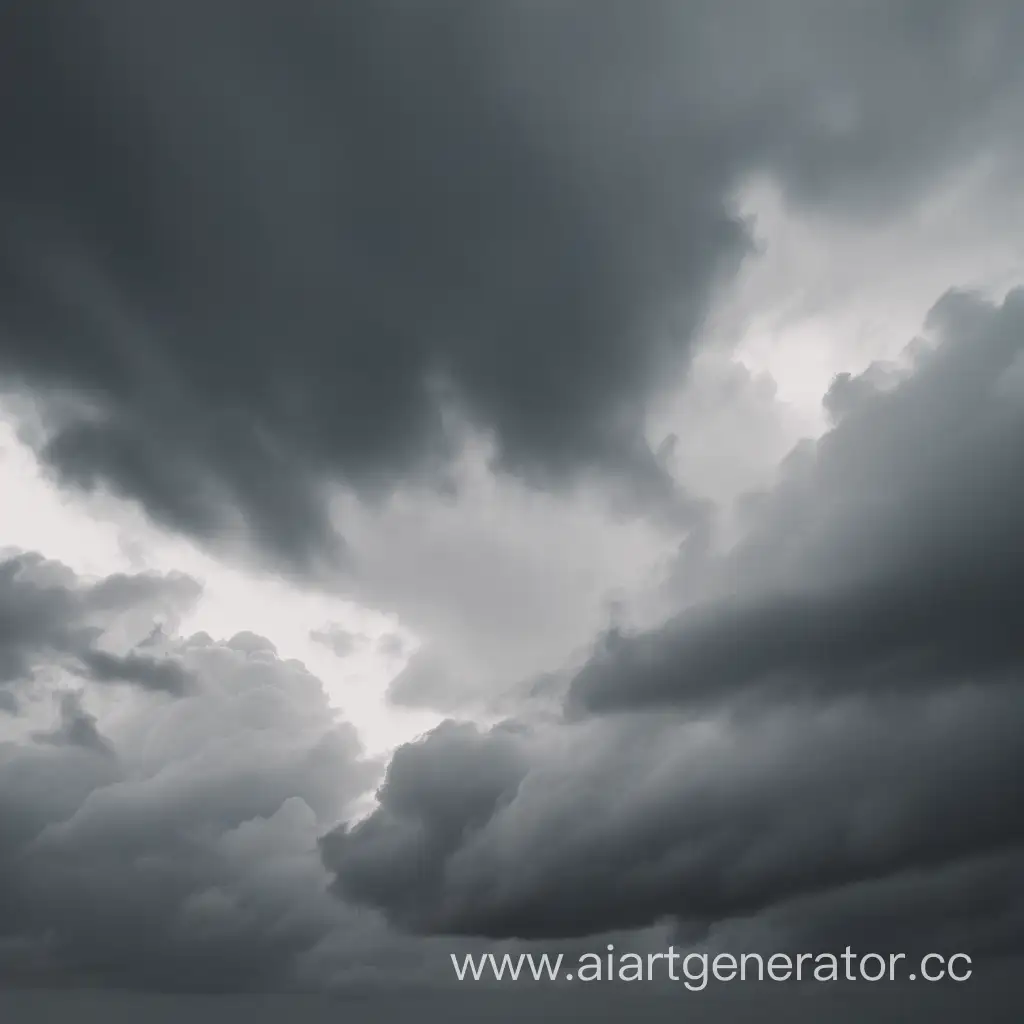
x=508, y=475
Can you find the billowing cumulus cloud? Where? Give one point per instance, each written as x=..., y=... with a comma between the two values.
x=834, y=727
x=245, y=255
x=165, y=837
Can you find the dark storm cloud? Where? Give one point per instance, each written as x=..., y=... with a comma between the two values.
x=619, y=825
x=436, y=791
x=850, y=710
x=887, y=559
x=255, y=244
x=48, y=616
x=172, y=844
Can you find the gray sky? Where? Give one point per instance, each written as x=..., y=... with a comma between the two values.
x=508, y=476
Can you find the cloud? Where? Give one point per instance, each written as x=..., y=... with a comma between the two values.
x=390, y=645
x=576, y=830
x=150, y=673
x=188, y=827
x=833, y=727
x=424, y=682
x=75, y=727
x=337, y=639
x=885, y=560
x=231, y=296
x=496, y=585
x=49, y=616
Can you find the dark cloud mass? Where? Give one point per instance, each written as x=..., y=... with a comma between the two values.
x=836, y=751
x=258, y=246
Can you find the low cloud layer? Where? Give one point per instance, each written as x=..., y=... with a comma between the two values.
x=833, y=746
